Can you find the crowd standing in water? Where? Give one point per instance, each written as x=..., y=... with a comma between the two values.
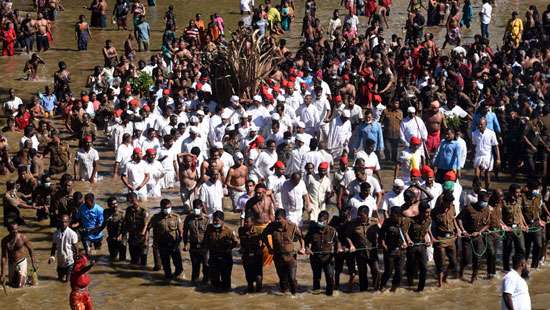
x=314, y=135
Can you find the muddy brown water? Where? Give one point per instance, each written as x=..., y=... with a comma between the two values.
x=118, y=286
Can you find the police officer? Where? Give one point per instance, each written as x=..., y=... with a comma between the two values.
x=495, y=225
x=362, y=234
x=284, y=233
x=220, y=240
x=250, y=237
x=322, y=243
x=194, y=228
x=474, y=221
x=340, y=223
x=167, y=234
x=61, y=199
x=445, y=231
x=135, y=220
x=392, y=242
x=532, y=211
x=114, y=220
x=417, y=257
x=515, y=223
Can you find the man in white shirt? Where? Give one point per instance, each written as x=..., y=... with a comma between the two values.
x=64, y=245
x=486, y=150
x=211, y=193
x=156, y=173
x=363, y=198
x=394, y=198
x=136, y=175
x=431, y=186
x=309, y=114
x=85, y=167
x=167, y=156
x=412, y=126
x=266, y=160
x=485, y=18
x=275, y=182
x=294, y=197
x=318, y=187
x=339, y=134
x=314, y=156
x=123, y=154
x=12, y=104
x=515, y=292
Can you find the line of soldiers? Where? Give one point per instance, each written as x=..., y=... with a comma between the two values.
x=405, y=238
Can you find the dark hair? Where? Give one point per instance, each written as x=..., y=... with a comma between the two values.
x=323, y=214
x=197, y=203
x=280, y=212
x=363, y=210
x=517, y=259
x=218, y=215
x=89, y=196
x=164, y=203
x=111, y=199
x=513, y=188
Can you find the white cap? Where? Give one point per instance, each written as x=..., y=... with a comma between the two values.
x=275, y=116
x=193, y=129
x=301, y=137
x=257, y=98
x=235, y=98
x=200, y=112
x=226, y=114
x=398, y=183
x=218, y=145
x=230, y=128
x=245, y=114
x=411, y=110
x=307, y=93
x=238, y=155
x=254, y=128
x=193, y=119
x=281, y=98
x=346, y=113
x=301, y=124
x=206, y=88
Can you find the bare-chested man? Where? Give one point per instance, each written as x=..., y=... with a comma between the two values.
x=110, y=54
x=213, y=163
x=261, y=206
x=189, y=177
x=236, y=179
x=13, y=253
x=43, y=32
x=347, y=87
x=435, y=122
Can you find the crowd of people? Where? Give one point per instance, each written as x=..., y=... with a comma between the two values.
x=317, y=134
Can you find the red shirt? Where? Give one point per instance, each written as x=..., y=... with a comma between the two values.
x=80, y=280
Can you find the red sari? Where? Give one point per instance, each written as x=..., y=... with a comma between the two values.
x=8, y=42
x=80, y=298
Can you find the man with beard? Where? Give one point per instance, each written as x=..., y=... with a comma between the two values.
x=515, y=292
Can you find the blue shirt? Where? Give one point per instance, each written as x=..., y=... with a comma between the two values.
x=492, y=122
x=371, y=131
x=48, y=102
x=448, y=155
x=90, y=218
x=143, y=31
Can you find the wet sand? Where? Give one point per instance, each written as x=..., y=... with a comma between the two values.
x=118, y=286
